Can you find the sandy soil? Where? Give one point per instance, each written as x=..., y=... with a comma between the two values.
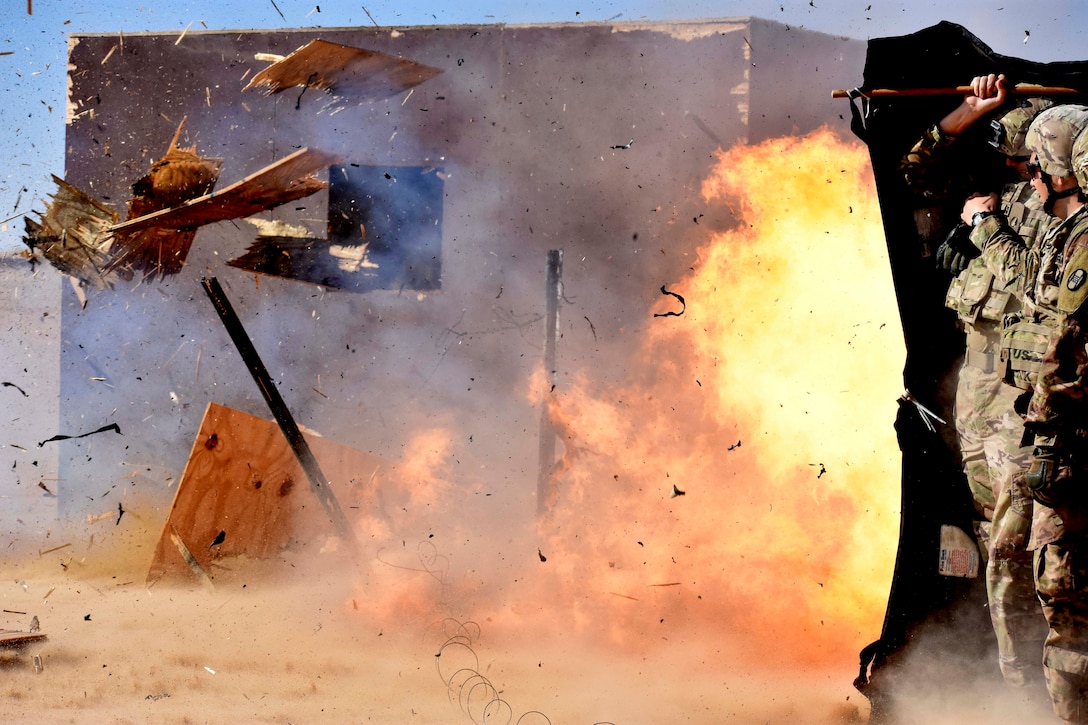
x=295, y=641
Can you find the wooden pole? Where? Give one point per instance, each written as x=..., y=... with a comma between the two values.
x=1020, y=89
x=280, y=412
x=553, y=290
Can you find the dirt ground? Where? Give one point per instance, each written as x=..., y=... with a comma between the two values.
x=296, y=640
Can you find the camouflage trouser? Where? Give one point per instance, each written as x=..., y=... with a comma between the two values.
x=990, y=432
x=1061, y=573
x=1018, y=621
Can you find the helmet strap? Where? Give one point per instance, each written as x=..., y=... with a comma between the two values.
x=1053, y=196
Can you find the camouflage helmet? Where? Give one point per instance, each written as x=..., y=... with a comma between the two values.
x=1011, y=130
x=1080, y=161
x=1051, y=137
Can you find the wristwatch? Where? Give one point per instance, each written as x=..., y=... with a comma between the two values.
x=979, y=216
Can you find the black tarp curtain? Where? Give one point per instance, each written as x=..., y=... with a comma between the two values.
x=921, y=602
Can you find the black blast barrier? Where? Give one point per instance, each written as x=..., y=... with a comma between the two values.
x=927, y=613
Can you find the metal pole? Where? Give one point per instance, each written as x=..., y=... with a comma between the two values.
x=553, y=289
x=280, y=412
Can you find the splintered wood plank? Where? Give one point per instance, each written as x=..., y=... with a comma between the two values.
x=180, y=175
x=71, y=234
x=244, y=492
x=286, y=180
x=15, y=640
x=343, y=71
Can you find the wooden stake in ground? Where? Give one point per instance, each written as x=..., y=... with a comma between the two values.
x=553, y=292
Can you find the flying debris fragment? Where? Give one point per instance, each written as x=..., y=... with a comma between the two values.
x=384, y=232
x=60, y=437
x=309, y=259
x=13, y=385
x=179, y=176
x=18, y=641
x=683, y=304
x=83, y=238
x=71, y=234
x=288, y=179
x=343, y=72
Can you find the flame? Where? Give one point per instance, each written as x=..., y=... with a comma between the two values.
x=742, y=493
x=751, y=485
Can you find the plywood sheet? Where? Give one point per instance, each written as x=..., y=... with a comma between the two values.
x=343, y=71
x=285, y=180
x=244, y=492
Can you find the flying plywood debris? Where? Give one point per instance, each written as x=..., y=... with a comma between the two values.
x=179, y=176
x=71, y=234
x=286, y=180
x=343, y=72
x=82, y=237
x=308, y=259
x=243, y=491
x=15, y=640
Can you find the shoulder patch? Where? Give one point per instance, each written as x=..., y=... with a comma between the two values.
x=1074, y=286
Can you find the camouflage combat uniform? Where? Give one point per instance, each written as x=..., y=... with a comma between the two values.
x=990, y=431
x=1058, y=415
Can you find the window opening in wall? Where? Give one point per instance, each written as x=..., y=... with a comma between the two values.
x=384, y=232
x=387, y=221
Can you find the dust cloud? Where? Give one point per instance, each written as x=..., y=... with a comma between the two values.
x=718, y=547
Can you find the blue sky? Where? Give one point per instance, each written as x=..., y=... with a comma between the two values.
x=33, y=39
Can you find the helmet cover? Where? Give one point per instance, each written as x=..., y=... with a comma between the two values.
x=1051, y=136
x=1011, y=130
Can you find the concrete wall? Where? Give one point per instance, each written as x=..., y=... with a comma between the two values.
x=521, y=123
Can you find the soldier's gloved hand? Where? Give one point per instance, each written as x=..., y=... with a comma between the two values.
x=1043, y=474
x=944, y=256
x=959, y=263
x=950, y=260
x=1022, y=403
x=957, y=250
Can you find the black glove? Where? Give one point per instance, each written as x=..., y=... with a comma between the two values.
x=950, y=260
x=1042, y=476
x=957, y=249
x=1022, y=403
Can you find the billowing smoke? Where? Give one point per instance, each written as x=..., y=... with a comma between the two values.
x=735, y=499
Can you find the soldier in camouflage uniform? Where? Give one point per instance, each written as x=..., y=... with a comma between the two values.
x=1058, y=413
x=994, y=252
